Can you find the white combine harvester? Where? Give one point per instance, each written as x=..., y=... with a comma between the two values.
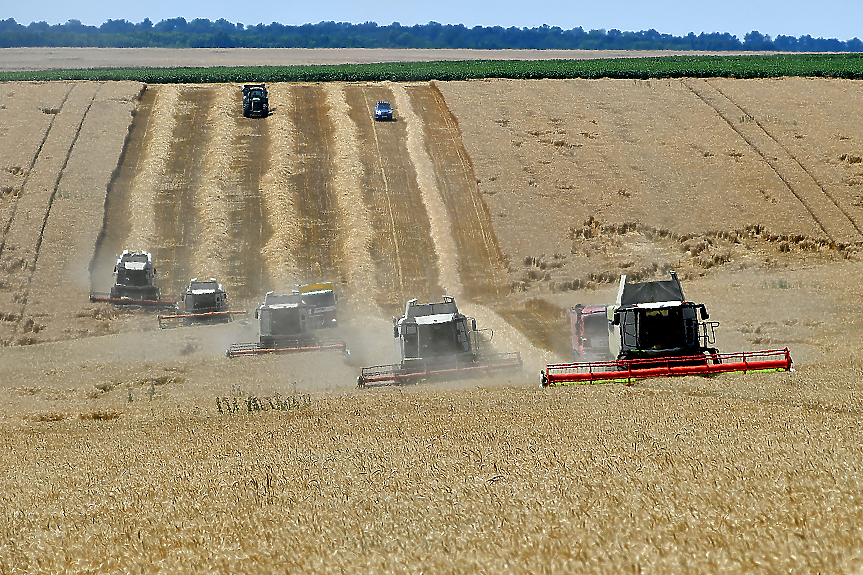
x=289, y=323
x=134, y=283
x=434, y=340
x=204, y=301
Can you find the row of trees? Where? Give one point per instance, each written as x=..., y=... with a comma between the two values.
x=202, y=33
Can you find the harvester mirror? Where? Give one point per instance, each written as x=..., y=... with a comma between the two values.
x=704, y=314
x=616, y=320
x=395, y=331
x=473, y=324
x=256, y=314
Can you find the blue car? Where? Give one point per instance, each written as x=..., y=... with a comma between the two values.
x=383, y=111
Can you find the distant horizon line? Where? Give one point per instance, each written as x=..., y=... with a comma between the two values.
x=395, y=24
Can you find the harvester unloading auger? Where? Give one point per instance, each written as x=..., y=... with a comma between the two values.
x=289, y=324
x=654, y=332
x=204, y=301
x=134, y=283
x=434, y=340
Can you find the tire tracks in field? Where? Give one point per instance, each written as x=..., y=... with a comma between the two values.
x=33, y=161
x=401, y=245
x=835, y=221
x=39, y=201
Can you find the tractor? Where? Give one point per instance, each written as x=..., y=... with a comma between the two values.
x=255, y=101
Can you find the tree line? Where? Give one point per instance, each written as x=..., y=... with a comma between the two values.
x=203, y=33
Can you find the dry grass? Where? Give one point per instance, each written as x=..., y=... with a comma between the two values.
x=687, y=475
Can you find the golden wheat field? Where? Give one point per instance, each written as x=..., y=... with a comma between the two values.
x=126, y=448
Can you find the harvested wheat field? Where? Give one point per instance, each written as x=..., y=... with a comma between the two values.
x=129, y=448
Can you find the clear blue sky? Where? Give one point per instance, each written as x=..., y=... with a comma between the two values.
x=842, y=19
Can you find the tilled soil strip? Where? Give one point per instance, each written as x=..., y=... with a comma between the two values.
x=148, y=177
x=481, y=271
x=24, y=238
x=277, y=195
x=176, y=212
x=401, y=247
x=214, y=185
x=60, y=287
x=318, y=252
x=118, y=206
x=247, y=225
x=479, y=259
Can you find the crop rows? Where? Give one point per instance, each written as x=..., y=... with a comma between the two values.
x=849, y=66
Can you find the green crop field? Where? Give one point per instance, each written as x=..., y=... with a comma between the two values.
x=848, y=66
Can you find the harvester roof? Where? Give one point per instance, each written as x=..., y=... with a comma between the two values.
x=650, y=292
x=435, y=319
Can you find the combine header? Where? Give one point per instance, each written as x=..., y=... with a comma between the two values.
x=654, y=332
x=134, y=283
x=630, y=370
x=204, y=302
x=287, y=325
x=434, y=340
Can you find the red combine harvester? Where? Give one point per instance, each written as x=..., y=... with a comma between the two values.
x=204, y=301
x=435, y=341
x=654, y=332
x=134, y=283
x=589, y=326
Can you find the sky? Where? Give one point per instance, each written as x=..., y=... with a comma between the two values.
x=841, y=19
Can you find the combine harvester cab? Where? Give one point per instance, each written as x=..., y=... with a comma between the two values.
x=322, y=299
x=134, y=283
x=287, y=325
x=203, y=302
x=655, y=332
x=435, y=340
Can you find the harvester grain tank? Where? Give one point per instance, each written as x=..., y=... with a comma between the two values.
x=656, y=332
x=134, y=283
x=436, y=340
x=287, y=324
x=322, y=299
x=204, y=301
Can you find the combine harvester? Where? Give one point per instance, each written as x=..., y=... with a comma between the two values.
x=434, y=340
x=203, y=302
x=654, y=332
x=134, y=283
x=288, y=324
